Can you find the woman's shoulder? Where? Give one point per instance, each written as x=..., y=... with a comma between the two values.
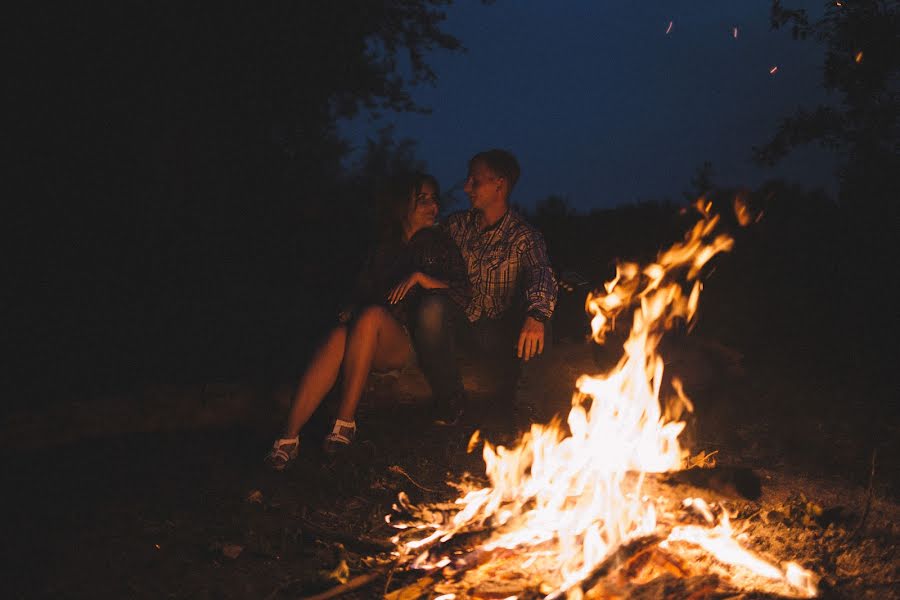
x=431, y=235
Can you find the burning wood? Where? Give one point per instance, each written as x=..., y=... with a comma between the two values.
x=578, y=510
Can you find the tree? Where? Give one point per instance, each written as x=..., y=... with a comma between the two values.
x=386, y=156
x=553, y=207
x=862, y=64
x=185, y=161
x=701, y=182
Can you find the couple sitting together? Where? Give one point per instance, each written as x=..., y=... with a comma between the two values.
x=483, y=274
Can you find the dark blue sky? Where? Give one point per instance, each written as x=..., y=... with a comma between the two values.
x=601, y=105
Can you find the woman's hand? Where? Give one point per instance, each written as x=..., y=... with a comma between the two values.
x=400, y=290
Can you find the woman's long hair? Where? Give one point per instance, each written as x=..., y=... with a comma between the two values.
x=393, y=201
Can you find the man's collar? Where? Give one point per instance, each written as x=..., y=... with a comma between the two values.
x=478, y=220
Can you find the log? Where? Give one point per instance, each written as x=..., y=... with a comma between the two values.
x=354, y=584
x=622, y=554
x=361, y=542
x=728, y=481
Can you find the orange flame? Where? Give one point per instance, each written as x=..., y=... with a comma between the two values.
x=742, y=210
x=574, y=497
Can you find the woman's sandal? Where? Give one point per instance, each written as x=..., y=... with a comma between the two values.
x=283, y=453
x=340, y=438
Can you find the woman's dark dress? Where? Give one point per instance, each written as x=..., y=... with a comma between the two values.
x=430, y=251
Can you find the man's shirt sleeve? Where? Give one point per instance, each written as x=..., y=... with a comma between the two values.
x=540, y=282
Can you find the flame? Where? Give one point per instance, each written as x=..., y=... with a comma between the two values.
x=572, y=498
x=859, y=56
x=742, y=210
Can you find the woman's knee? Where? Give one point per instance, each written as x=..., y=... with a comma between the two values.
x=337, y=336
x=370, y=318
x=338, y=332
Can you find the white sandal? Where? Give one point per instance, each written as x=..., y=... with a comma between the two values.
x=341, y=436
x=283, y=453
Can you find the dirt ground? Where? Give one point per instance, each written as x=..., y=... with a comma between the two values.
x=163, y=511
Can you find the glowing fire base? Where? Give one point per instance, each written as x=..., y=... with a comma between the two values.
x=577, y=510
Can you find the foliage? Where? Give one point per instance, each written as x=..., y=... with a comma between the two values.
x=862, y=64
x=553, y=207
x=186, y=167
x=701, y=182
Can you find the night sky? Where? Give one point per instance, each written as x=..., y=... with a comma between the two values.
x=187, y=190
x=603, y=106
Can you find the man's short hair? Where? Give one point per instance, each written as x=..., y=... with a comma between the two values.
x=501, y=162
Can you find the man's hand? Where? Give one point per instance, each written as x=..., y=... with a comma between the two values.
x=400, y=290
x=531, y=338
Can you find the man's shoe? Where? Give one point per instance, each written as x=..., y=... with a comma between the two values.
x=340, y=438
x=283, y=453
x=447, y=416
x=447, y=413
x=524, y=415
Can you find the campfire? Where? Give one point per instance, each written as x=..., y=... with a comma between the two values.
x=583, y=509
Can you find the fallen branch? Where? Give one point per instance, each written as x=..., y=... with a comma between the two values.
x=399, y=471
x=416, y=589
x=869, y=494
x=728, y=481
x=362, y=542
x=622, y=554
x=356, y=583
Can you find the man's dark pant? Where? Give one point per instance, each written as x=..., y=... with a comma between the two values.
x=440, y=323
x=434, y=326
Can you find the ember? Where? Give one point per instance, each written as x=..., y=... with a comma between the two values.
x=573, y=510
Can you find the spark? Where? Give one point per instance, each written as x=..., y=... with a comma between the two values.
x=859, y=56
x=734, y=32
x=773, y=70
x=669, y=28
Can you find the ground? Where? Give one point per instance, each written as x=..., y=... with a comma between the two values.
x=160, y=507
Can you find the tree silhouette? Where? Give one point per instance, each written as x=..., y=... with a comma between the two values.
x=701, y=182
x=187, y=170
x=862, y=64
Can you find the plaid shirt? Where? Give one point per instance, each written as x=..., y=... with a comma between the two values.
x=507, y=263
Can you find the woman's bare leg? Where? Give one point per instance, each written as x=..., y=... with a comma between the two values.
x=319, y=377
x=376, y=340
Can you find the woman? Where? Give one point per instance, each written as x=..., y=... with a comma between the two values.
x=411, y=260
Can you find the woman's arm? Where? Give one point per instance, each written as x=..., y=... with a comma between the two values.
x=399, y=291
x=439, y=267
x=428, y=282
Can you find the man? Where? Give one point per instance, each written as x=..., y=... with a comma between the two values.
x=513, y=290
